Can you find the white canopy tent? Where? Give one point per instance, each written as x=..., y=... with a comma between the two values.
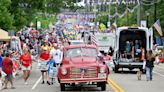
x=4, y=35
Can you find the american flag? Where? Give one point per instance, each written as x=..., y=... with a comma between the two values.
x=94, y=40
x=158, y=27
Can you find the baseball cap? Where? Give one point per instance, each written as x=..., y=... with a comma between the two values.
x=45, y=48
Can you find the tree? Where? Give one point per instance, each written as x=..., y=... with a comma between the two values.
x=6, y=19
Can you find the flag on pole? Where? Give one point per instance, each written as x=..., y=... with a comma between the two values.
x=158, y=27
x=94, y=40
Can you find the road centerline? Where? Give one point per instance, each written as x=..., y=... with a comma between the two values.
x=36, y=83
x=115, y=87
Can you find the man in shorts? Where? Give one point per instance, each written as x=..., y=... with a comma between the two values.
x=7, y=66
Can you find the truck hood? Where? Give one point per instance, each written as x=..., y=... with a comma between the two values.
x=83, y=60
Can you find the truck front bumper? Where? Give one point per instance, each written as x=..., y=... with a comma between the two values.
x=80, y=80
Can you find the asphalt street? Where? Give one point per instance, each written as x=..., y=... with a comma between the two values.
x=34, y=85
x=128, y=81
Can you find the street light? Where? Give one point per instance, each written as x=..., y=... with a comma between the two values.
x=147, y=18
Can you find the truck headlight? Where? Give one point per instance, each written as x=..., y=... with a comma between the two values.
x=64, y=71
x=102, y=69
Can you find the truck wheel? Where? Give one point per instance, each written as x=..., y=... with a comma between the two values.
x=103, y=86
x=73, y=84
x=62, y=86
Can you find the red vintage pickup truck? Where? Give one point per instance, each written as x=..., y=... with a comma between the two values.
x=82, y=65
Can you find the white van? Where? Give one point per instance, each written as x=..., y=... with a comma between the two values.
x=138, y=41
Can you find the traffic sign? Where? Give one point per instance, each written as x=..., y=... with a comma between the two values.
x=10, y=32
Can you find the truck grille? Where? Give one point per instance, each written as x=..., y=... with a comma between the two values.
x=89, y=72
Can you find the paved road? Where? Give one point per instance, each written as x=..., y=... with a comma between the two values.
x=128, y=80
x=34, y=87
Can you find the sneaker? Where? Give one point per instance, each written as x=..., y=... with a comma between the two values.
x=48, y=83
x=12, y=87
x=25, y=83
x=5, y=88
x=42, y=82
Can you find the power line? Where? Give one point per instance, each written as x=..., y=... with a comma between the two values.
x=147, y=3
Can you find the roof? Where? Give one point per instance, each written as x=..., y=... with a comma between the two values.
x=4, y=35
x=134, y=28
x=79, y=46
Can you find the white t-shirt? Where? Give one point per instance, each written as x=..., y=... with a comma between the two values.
x=57, y=55
x=47, y=37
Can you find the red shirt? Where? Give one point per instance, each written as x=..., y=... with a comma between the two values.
x=44, y=56
x=7, y=65
x=26, y=59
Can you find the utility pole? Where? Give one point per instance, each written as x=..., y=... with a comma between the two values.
x=109, y=12
x=139, y=13
x=155, y=10
x=95, y=9
x=127, y=15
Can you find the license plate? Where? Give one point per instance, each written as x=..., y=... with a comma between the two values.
x=101, y=75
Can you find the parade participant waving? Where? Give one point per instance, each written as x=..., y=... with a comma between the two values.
x=25, y=61
x=44, y=57
x=45, y=45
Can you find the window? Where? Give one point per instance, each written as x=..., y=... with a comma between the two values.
x=90, y=52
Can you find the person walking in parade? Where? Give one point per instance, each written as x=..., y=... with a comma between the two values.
x=150, y=58
x=0, y=60
x=7, y=66
x=44, y=57
x=25, y=61
x=52, y=71
x=57, y=54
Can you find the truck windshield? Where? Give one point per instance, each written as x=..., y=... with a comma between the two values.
x=90, y=52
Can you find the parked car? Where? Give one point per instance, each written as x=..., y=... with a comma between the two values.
x=81, y=64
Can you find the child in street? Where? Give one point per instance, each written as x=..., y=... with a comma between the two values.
x=52, y=71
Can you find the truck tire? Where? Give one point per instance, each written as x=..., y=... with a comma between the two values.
x=62, y=86
x=103, y=86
